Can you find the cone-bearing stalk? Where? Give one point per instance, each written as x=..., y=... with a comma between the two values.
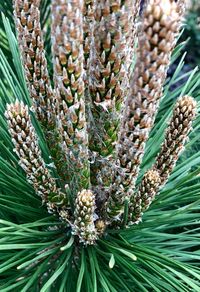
x=160, y=26
x=84, y=215
x=68, y=59
x=111, y=52
x=27, y=149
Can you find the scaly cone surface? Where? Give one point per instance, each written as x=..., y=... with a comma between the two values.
x=143, y=197
x=109, y=66
x=27, y=149
x=88, y=19
x=31, y=44
x=175, y=137
x=84, y=215
x=159, y=29
x=68, y=60
x=27, y=19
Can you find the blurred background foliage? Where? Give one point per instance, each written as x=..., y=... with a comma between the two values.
x=192, y=32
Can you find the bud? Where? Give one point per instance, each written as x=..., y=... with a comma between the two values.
x=84, y=215
x=31, y=45
x=100, y=226
x=175, y=137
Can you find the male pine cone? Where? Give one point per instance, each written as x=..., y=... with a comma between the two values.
x=176, y=135
x=84, y=215
x=30, y=38
x=27, y=148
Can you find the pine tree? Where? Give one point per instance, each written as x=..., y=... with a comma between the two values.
x=94, y=195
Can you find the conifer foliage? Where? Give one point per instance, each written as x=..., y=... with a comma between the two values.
x=122, y=103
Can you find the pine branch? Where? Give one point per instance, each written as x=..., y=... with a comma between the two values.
x=80, y=249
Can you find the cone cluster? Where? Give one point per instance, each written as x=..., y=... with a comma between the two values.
x=157, y=37
x=98, y=116
x=176, y=136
